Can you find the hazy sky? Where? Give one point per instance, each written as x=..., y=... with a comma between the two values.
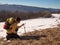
x=37, y=3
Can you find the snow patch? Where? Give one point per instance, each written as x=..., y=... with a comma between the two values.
x=33, y=24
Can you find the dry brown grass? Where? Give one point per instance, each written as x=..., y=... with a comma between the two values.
x=49, y=36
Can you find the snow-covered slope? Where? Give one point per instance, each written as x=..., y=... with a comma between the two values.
x=34, y=24
x=56, y=15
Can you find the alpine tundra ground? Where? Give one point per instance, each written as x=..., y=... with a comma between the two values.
x=50, y=36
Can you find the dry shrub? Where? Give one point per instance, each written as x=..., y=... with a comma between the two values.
x=24, y=15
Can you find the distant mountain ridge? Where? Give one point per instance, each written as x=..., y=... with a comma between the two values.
x=23, y=8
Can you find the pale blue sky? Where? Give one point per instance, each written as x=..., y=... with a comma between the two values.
x=37, y=3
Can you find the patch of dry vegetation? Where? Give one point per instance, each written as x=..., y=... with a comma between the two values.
x=24, y=15
x=49, y=36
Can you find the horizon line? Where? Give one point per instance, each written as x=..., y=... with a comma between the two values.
x=30, y=5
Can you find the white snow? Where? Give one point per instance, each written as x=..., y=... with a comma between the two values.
x=33, y=24
x=56, y=15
